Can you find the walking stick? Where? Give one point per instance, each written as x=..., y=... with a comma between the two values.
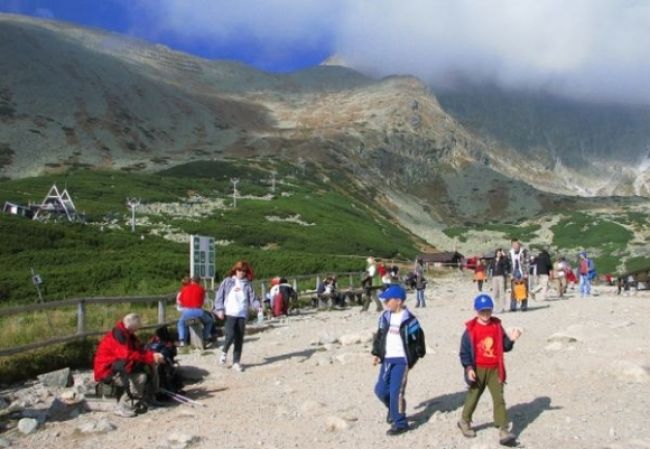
x=180, y=398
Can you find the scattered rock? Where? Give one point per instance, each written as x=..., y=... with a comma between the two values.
x=61, y=378
x=311, y=407
x=347, y=357
x=562, y=338
x=96, y=426
x=322, y=360
x=555, y=346
x=27, y=425
x=348, y=340
x=630, y=372
x=3, y=404
x=367, y=337
x=334, y=424
x=62, y=411
x=177, y=440
x=327, y=340
x=4, y=442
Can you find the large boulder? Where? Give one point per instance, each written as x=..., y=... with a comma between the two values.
x=61, y=378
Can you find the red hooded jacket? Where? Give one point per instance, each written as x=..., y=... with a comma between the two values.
x=502, y=343
x=119, y=344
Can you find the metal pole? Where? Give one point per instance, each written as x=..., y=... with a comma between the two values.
x=161, y=311
x=81, y=317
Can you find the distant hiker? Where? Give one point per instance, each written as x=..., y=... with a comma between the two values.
x=393, y=274
x=327, y=292
x=544, y=269
x=232, y=302
x=420, y=283
x=520, y=265
x=191, y=299
x=481, y=354
x=121, y=360
x=587, y=272
x=384, y=277
x=367, y=283
x=559, y=276
x=398, y=344
x=282, y=294
x=499, y=271
x=480, y=274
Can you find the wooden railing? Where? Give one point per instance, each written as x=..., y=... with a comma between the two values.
x=353, y=279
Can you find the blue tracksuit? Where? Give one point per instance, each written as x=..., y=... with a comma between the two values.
x=390, y=389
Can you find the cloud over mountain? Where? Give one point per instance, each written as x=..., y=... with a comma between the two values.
x=584, y=48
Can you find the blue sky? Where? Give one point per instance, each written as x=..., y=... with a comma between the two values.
x=140, y=19
x=588, y=49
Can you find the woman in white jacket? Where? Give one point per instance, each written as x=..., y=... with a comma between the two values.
x=233, y=300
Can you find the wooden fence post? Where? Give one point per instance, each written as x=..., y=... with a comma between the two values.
x=161, y=312
x=263, y=286
x=81, y=317
x=295, y=285
x=317, y=281
x=351, y=283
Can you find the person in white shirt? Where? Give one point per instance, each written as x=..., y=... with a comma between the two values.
x=233, y=300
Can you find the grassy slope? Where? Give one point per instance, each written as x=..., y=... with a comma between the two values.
x=76, y=259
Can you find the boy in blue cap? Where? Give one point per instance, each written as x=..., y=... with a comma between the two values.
x=398, y=344
x=481, y=353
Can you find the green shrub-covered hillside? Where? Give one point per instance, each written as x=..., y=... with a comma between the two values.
x=309, y=224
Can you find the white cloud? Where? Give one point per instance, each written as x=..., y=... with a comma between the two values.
x=588, y=48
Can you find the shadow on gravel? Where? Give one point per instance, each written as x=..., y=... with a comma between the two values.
x=304, y=354
x=524, y=414
x=444, y=403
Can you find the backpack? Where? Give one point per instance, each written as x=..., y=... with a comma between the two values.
x=163, y=342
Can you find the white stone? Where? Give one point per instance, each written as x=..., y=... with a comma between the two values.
x=322, y=360
x=334, y=424
x=350, y=339
x=4, y=442
x=554, y=346
x=311, y=407
x=178, y=440
x=96, y=426
x=562, y=338
x=27, y=425
x=630, y=372
x=327, y=339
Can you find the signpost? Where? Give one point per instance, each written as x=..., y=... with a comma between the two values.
x=202, y=257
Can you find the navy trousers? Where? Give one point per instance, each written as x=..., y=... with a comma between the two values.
x=390, y=389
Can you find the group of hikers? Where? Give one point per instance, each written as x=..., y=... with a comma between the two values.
x=138, y=370
x=531, y=275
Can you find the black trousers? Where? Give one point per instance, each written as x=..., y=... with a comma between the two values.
x=234, y=328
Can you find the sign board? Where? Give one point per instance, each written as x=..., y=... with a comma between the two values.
x=202, y=256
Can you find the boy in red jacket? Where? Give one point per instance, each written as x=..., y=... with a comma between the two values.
x=481, y=353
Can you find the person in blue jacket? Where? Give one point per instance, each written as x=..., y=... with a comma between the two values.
x=398, y=344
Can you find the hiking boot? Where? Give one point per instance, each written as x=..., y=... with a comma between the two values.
x=506, y=438
x=466, y=429
x=237, y=367
x=397, y=430
x=222, y=359
x=123, y=411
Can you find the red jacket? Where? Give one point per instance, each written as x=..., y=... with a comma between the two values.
x=192, y=296
x=502, y=343
x=119, y=344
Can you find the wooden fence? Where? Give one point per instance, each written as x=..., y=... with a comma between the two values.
x=353, y=279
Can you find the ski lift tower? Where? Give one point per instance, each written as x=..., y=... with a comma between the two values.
x=132, y=203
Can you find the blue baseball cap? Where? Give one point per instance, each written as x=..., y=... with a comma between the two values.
x=393, y=292
x=483, y=302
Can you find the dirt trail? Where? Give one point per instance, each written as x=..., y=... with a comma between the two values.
x=578, y=378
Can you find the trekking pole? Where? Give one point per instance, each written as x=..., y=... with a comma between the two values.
x=180, y=398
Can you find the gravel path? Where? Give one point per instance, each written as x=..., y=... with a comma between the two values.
x=578, y=378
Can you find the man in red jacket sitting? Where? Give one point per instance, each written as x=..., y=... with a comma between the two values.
x=122, y=360
x=190, y=300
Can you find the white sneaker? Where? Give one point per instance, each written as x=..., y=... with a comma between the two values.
x=237, y=367
x=222, y=359
x=123, y=411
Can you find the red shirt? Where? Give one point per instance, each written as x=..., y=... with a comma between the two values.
x=485, y=337
x=192, y=296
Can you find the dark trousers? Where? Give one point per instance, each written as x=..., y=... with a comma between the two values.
x=390, y=389
x=234, y=328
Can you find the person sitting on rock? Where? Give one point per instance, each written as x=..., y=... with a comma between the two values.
x=191, y=299
x=122, y=360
